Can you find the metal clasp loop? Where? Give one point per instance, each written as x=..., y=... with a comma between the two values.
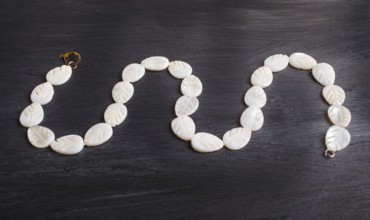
x=71, y=59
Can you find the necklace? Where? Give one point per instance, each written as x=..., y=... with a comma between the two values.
x=251, y=120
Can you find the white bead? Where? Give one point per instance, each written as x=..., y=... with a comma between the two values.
x=334, y=94
x=191, y=86
x=40, y=136
x=183, y=127
x=255, y=96
x=115, y=114
x=186, y=105
x=133, y=72
x=205, y=142
x=302, y=61
x=156, y=63
x=122, y=92
x=277, y=62
x=337, y=138
x=179, y=69
x=237, y=138
x=339, y=115
x=42, y=93
x=59, y=75
x=252, y=118
x=68, y=145
x=262, y=77
x=324, y=74
x=32, y=115
x=98, y=134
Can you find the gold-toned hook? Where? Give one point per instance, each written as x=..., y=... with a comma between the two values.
x=68, y=59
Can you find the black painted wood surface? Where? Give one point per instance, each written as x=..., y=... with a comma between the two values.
x=144, y=171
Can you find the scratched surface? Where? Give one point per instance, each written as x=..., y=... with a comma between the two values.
x=144, y=171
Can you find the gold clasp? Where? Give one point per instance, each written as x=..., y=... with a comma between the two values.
x=71, y=59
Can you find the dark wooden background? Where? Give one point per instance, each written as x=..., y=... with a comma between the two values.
x=144, y=171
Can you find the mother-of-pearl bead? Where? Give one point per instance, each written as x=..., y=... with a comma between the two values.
x=43, y=93
x=205, y=142
x=191, y=86
x=183, y=127
x=302, y=61
x=324, y=74
x=252, y=118
x=277, y=62
x=179, y=69
x=98, y=134
x=40, y=137
x=156, y=63
x=59, y=75
x=186, y=105
x=32, y=115
x=237, y=138
x=339, y=115
x=68, y=145
x=255, y=96
x=115, y=114
x=334, y=94
x=262, y=77
x=122, y=92
x=337, y=138
x=133, y=72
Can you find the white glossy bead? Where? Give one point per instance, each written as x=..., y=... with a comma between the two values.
x=191, y=86
x=252, y=118
x=32, y=115
x=237, y=138
x=255, y=96
x=133, y=72
x=186, y=105
x=98, y=134
x=302, y=61
x=337, y=138
x=122, y=92
x=183, y=127
x=324, y=74
x=42, y=93
x=262, y=77
x=334, y=94
x=339, y=115
x=277, y=62
x=115, y=114
x=40, y=136
x=179, y=69
x=205, y=142
x=156, y=63
x=68, y=145
x=59, y=75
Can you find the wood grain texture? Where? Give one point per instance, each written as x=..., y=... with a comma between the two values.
x=144, y=171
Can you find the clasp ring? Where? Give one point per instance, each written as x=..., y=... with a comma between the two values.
x=71, y=59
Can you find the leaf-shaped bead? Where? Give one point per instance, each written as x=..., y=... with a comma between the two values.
x=98, y=134
x=133, y=72
x=68, y=145
x=183, y=127
x=191, y=86
x=255, y=96
x=32, y=115
x=252, y=118
x=324, y=74
x=334, y=95
x=115, y=114
x=42, y=93
x=237, y=138
x=205, y=142
x=40, y=137
x=156, y=63
x=179, y=69
x=186, y=105
x=277, y=62
x=337, y=138
x=302, y=61
x=262, y=77
x=59, y=75
x=339, y=115
x=122, y=92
